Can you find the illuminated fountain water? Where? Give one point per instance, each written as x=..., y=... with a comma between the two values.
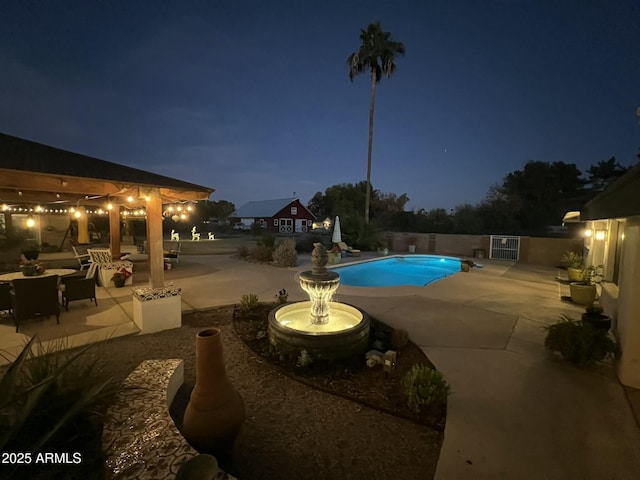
x=322, y=327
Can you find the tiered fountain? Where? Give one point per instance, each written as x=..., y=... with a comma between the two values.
x=325, y=329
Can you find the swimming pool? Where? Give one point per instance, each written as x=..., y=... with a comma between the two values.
x=418, y=270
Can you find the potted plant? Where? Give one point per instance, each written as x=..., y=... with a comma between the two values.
x=594, y=315
x=584, y=292
x=31, y=251
x=120, y=277
x=574, y=263
x=411, y=240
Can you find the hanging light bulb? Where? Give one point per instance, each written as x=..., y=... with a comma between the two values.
x=77, y=214
x=31, y=222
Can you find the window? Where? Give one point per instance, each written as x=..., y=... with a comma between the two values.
x=308, y=223
x=294, y=210
x=275, y=222
x=263, y=223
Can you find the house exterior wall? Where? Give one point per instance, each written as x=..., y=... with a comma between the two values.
x=628, y=307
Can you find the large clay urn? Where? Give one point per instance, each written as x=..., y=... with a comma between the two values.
x=215, y=412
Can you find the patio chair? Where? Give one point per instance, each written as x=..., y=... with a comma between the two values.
x=5, y=297
x=351, y=252
x=103, y=266
x=81, y=256
x=172, y=255
x=78, y=287
x=32, y=297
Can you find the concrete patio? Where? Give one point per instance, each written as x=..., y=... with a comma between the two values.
x=515, y=410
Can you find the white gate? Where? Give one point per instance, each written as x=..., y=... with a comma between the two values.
x=504, y=247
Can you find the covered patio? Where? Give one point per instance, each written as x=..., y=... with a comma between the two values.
x=39, y=181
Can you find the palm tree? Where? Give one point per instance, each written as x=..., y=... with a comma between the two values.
x=376, y=54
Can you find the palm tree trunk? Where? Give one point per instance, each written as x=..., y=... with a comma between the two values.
x=367, y=199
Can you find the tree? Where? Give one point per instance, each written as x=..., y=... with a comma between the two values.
x=603, y=173
x=376, y=54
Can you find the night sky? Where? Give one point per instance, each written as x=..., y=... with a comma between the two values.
x=253, y=98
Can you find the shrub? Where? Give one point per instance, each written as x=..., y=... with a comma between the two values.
x=268, y=240
x=249, y=305
x=285, y=253
x=243, y=252
x=48, y=403
x=262, y=253
x=571, y=259
x=255, y=229
x=399, y=339
x=425, y=387
x=579, y=342
x=282, y=297
x=304, y=360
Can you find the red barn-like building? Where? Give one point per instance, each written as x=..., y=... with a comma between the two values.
x=283, y=215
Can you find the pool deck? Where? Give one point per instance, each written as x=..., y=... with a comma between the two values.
x=515, y=411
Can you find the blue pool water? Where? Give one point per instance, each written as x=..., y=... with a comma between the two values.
x=416, y=270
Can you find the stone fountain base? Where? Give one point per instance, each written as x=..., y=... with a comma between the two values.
x=346, y=334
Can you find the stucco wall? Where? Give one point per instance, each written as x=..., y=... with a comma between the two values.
x=535, y=250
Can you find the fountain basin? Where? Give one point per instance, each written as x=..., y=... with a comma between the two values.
x=345, y=335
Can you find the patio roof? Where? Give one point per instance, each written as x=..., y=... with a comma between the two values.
x=32, y=172
x=618, y=200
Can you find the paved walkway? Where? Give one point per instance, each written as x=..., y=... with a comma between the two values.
x=515, y=411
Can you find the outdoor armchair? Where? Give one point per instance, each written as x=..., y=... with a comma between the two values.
x=5, y=297
x=35, y=296
x=76, y=287
x=81, y=256
x=172, y=255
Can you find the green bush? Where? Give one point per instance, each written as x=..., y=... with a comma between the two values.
x=425, y=387
x=48, y=403
x=262, y=254
x=285, y=254
x=249, y=305
x=255, y=229
x=572, y=259
x=268, y=240
x=579, y=342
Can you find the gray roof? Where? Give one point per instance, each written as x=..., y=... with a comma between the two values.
x=25, y=155
x=263, y=208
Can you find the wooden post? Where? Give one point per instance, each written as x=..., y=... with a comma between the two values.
x=83, y=226
x=114, y=231
x=155, y=242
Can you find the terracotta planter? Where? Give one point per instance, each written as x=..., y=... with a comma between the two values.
x=215, y=413
x=582, y=294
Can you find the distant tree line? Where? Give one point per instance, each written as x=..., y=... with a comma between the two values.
x=526, y=202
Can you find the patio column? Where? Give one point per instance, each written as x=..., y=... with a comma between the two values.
x=155, y=243
x=114, y=231
x=628, y=322
x=83, y=225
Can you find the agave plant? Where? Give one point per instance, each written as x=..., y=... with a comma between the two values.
x=43, y=395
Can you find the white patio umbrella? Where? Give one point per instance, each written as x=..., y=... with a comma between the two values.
x=337, y=234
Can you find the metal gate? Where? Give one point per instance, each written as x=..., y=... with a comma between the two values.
x=504, y=247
